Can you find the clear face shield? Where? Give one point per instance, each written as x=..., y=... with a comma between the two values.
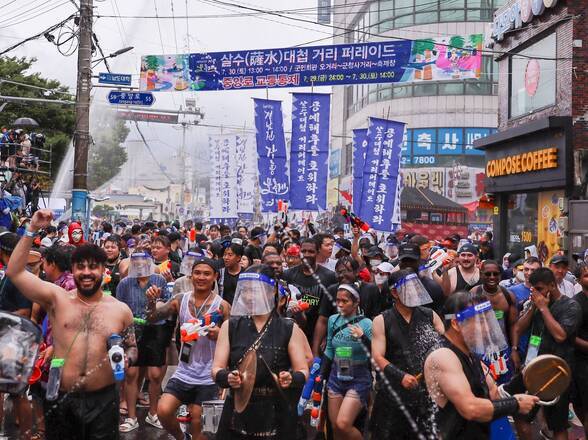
x=411, y=291
x=141, y=265
x=19, y=346
x=338, y=248
x=255, y=295
x=480, y=330
x=188, y=261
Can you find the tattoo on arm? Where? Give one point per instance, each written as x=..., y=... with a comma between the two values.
x=157, y=311
x=130, y=344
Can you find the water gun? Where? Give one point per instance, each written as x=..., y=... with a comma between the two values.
x=166, y=265
x=309, y=385
x=194, y=328
x=317, y=402
x=139, y=321
x=354, y=220
x=303, y=305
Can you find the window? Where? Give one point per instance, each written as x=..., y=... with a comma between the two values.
x=522, y=216
x=532, y=77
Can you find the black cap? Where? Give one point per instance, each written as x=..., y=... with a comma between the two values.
x=409, y=251
x=556, y=259
x=468, y=247
x=374, y=251
x=209, y=262
x=344, y=244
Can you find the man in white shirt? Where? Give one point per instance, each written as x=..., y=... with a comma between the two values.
x=559, y=267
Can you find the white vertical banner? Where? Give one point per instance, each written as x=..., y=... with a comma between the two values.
x=246, y=163
x=223, y=177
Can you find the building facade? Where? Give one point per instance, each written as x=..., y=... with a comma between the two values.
x=443, y=117
x=536, y=162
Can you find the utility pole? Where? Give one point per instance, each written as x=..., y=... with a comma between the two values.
x=82, y=127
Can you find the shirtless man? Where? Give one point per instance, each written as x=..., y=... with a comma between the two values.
x=465, y=394
x=82, y=321
x=465, y=275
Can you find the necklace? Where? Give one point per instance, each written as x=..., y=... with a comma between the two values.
x=89, y=305
x=490, y=294
x=197, y=313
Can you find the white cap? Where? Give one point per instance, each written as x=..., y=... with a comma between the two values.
x=385, y=267
x=46, y=242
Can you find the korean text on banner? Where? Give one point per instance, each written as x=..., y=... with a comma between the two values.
x=271, y=153
x=223, y=178
x=440, y=59
x=381, y=172
x=359, y=149
x=246, y=174
x=309, y=154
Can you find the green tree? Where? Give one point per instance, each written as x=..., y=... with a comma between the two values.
x=107, y=155
x=56, y=122
x=102, y=211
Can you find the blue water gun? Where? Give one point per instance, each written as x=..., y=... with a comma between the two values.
x=309, y=385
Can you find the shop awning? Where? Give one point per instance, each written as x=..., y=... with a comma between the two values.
x=427, y=200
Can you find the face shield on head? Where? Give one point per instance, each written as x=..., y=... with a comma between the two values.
x=188, y=261
x=141, y=265
x=255, y=295
x=411, y=291
x=480, y=329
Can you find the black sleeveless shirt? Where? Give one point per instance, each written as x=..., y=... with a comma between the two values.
x=450, y=423
x=462, y=284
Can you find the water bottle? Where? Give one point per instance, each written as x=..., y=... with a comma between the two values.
x=116, y=355
x=54, y=379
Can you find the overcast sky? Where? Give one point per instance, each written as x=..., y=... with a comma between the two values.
x=23, y=18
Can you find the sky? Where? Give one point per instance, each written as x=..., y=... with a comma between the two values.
x=23, y=18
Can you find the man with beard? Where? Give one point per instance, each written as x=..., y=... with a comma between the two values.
x=465, y=275
x=465, y=394
x=302, y=278
x=402, y=336
x=347, y=270
x=82, y=320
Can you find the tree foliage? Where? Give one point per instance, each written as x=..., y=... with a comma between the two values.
x=56, y=122
x=107, y=155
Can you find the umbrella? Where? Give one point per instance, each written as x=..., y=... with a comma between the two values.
x=25, y=122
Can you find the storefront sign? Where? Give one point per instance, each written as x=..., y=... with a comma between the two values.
x=523, y=163
x=520, y=13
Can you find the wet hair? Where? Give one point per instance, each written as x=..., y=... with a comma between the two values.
x=88, y=252
x=533, y=260
x=456, y=303
x=312, y=241
x=59, y=256
x=320, y=238
x=347, y=260
x=164, y=241
x=8, y=241
x=236, y=248
x=542, y=275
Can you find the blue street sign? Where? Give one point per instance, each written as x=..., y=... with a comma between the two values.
x=131, y=98
x=120, y=79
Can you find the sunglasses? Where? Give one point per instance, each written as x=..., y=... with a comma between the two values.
x=491, y=274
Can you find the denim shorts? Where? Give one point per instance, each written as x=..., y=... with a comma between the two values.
x=360, y=386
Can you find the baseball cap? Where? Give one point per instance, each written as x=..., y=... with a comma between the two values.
x=468, y=247
x=209, y=262
x=557, y=259
x=374, y=251
x=385, y=267
x=343, y=244
x=410, y=251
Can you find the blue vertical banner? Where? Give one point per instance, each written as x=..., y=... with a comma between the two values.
x=309, y=154
x=381, y=173
x=271, y=153
x=360, y=143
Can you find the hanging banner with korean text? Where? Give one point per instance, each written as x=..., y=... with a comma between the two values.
x=309, y=153
x=246, y=174
x=360, y=143
x=433, y=59
x=381, y=172
x=271, y=153
x=223, y=177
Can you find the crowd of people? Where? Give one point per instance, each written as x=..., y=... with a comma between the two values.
x=348, y=334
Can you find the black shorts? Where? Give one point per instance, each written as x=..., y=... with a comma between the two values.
x=83, y=416
x=152, y=342
x=191, y=394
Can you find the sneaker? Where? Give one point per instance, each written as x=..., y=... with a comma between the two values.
x=153, y=420
x=128, y=425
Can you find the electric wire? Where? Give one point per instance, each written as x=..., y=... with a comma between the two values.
x=48, y=10
x=174, y=25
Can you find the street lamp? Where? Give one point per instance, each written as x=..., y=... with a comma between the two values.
x=114, y=54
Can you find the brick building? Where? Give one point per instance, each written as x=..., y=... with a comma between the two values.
x=538, y=160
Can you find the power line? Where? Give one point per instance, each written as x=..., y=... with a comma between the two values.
x=2, y=80
x=161, y=168
x=174, y=24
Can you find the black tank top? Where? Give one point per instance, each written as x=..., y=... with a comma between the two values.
x=462, y=284
x=450, y=423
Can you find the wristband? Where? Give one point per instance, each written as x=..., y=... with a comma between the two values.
x=505, y=407
x=298, y=379
x=30, y=234
x=222, y=378
x=394, y=373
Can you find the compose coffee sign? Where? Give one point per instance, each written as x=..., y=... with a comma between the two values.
x=518, y=14
x=523, y=163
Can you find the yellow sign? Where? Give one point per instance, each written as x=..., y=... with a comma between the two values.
x=547, y=223
x=523, y=163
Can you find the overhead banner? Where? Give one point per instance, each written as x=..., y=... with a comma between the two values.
x=223, y=178
x=309, y=153
x=162, y=118
x=271, y=153
x=246, y=173
x=439, y=59
x=380, y=205
x=359, y=149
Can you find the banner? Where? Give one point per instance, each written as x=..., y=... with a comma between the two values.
x=439, y=59
x=380, y=206
x=359, y=148
x=246, y=174
x=223, y=178
x=309, y=153
x=271, y=153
